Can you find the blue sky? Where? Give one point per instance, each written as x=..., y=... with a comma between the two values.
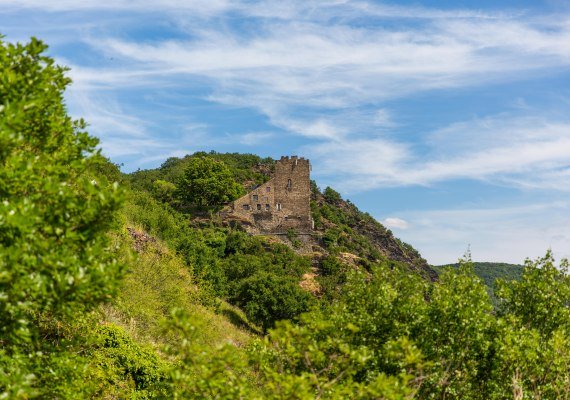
x=447, y=121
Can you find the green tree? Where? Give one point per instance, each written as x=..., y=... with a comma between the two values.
x=207, y=183
x=164, y=191
x=533, y=340
x=55, y=258
x=331, y=195
x=457, y=335
x=267, y=298
x=542, y=297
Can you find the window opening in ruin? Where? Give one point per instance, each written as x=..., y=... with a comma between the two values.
x=259, y=206
x=267, y=207
x=289, y=184
x=246, y=206
x=255, y=197
x=268, y=189
x=278, y=206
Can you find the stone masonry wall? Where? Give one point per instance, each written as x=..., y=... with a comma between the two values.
x=293, y=192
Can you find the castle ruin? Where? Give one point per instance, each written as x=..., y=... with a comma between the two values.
x=280, y=204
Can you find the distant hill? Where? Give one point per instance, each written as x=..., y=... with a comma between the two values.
x=490, y=272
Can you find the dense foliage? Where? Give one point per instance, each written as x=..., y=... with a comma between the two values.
x=196, y=312
x=247, y=169
x=55, y=260
x=205, y=183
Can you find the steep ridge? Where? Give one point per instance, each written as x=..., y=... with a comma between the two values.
x=345, y=228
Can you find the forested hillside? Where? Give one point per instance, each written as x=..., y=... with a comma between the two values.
x=120, y=286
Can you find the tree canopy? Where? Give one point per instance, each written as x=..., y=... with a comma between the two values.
x=207, y=182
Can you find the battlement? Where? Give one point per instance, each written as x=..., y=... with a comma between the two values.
x=292, y=159
x=289, y=163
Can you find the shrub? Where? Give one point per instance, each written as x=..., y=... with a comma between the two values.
x=267, y=298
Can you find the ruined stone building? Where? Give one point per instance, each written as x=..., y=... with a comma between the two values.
x=280, y=204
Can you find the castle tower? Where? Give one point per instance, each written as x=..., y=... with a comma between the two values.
x=280, y=204
x=293, y=192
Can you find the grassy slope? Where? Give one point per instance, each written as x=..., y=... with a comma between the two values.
x=134, y=328
x=158, y=281
x=134, y=332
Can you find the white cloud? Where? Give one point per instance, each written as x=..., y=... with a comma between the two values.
x=124, y=135
x=302, y=58
x=313, y=78
x=332, y=65
x=360, y=164
x=317, y=9
x=383, y=118
x=394, y=222
x=105, y=115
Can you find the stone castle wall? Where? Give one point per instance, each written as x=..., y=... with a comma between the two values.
x=281, y=203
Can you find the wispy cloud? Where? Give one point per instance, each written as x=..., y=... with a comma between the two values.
x=514, y=150
x=199, y=7
x=106, y=115
x=395, y=222
x=314, y=78
x=313, y=72
x=313, y=9
x=339, y=65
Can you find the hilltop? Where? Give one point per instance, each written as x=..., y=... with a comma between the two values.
x=342, y=230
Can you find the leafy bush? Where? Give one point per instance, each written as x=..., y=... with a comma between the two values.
x=267, y=298
x=130, y=361
x=491, y=272
x=157, y=219
x=201, y=372
x=164, y=191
